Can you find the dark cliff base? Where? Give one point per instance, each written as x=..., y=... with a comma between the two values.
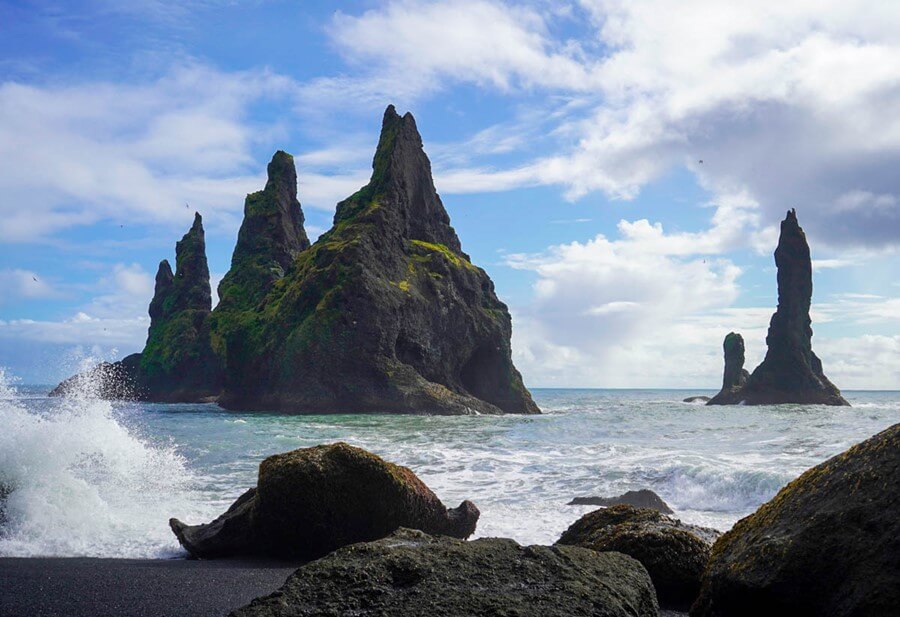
x=83, y=587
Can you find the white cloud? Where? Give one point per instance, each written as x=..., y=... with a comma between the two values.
x=115, y=316
x=609, y=306
x=76, y=154
x=17, y=283
x=787, y=103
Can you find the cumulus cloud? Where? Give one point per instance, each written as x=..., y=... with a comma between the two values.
x=115, y=317
x=793, y=115
x=598, y=301
x=24, y=284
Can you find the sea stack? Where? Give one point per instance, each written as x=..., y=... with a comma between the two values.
x=178, y=363
x=270, y=238
x=384, y=313
x=791, y=372
x=736, y=375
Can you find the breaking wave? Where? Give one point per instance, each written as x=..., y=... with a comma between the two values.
x=78, y=482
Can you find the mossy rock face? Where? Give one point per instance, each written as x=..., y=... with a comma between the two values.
x=674, y=554
x=411, y=574
x=827, y=544
x=178, y=362
x=384, y=313
x=311, y=501
x=270, y=238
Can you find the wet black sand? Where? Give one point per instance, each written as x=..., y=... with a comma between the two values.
x=76, y=587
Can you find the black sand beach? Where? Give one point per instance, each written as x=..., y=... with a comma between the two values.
x=76, y=587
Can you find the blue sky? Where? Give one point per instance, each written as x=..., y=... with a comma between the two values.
x=566, y=140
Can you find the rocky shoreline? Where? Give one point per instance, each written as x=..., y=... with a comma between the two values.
x=826, y=544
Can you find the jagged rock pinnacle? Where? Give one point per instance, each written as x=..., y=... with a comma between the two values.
x=270, y=238
x=401, y=182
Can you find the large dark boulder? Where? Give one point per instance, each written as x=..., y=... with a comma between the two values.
x=311, y=501
x=827, y=544
x=411, y=574
x=643, y=498
x=790, y=372
x=675, y=554
x=384, y=313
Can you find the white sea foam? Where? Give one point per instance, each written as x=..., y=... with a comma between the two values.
x=83, y=484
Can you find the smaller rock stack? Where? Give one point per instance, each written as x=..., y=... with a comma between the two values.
x=791, y=372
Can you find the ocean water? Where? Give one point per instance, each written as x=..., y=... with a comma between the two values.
x=95, y=478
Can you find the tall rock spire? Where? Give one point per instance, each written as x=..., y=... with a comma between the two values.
x=790, y=372
x=270, y=238
x=402, y=184
x=178, y=363
x=735, y=376
x=384, y=313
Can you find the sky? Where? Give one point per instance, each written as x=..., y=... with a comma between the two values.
x=618, y=167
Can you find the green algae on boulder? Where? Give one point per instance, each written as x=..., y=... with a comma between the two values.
x=674, y=554
x=384, y=313
x=827, y=544
x=411, y=574
x=311, y=501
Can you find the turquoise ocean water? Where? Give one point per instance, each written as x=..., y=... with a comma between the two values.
x=90, y=477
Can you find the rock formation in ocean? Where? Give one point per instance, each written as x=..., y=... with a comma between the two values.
x=178, y=362
x=675, y=554
x=107, y=380
x=735, y=376
x=309, y=502
x=411, y=574
x=790, y=372
x=270, y=239
x=827, y=544
x=384, y=313
x=643, y=498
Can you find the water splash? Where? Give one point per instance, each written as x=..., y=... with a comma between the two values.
x=80, y=483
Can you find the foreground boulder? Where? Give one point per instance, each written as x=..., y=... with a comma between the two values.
x=411, y=574
x=674, y=554
x=311, y=501
x=790, y=372
x=643, y=498
x=827, y=544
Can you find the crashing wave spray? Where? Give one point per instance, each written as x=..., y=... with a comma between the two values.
x=79, y=483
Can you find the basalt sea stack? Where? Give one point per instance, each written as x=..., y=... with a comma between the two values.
x=178, y=363
x=384, y=313
x=791, y=372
